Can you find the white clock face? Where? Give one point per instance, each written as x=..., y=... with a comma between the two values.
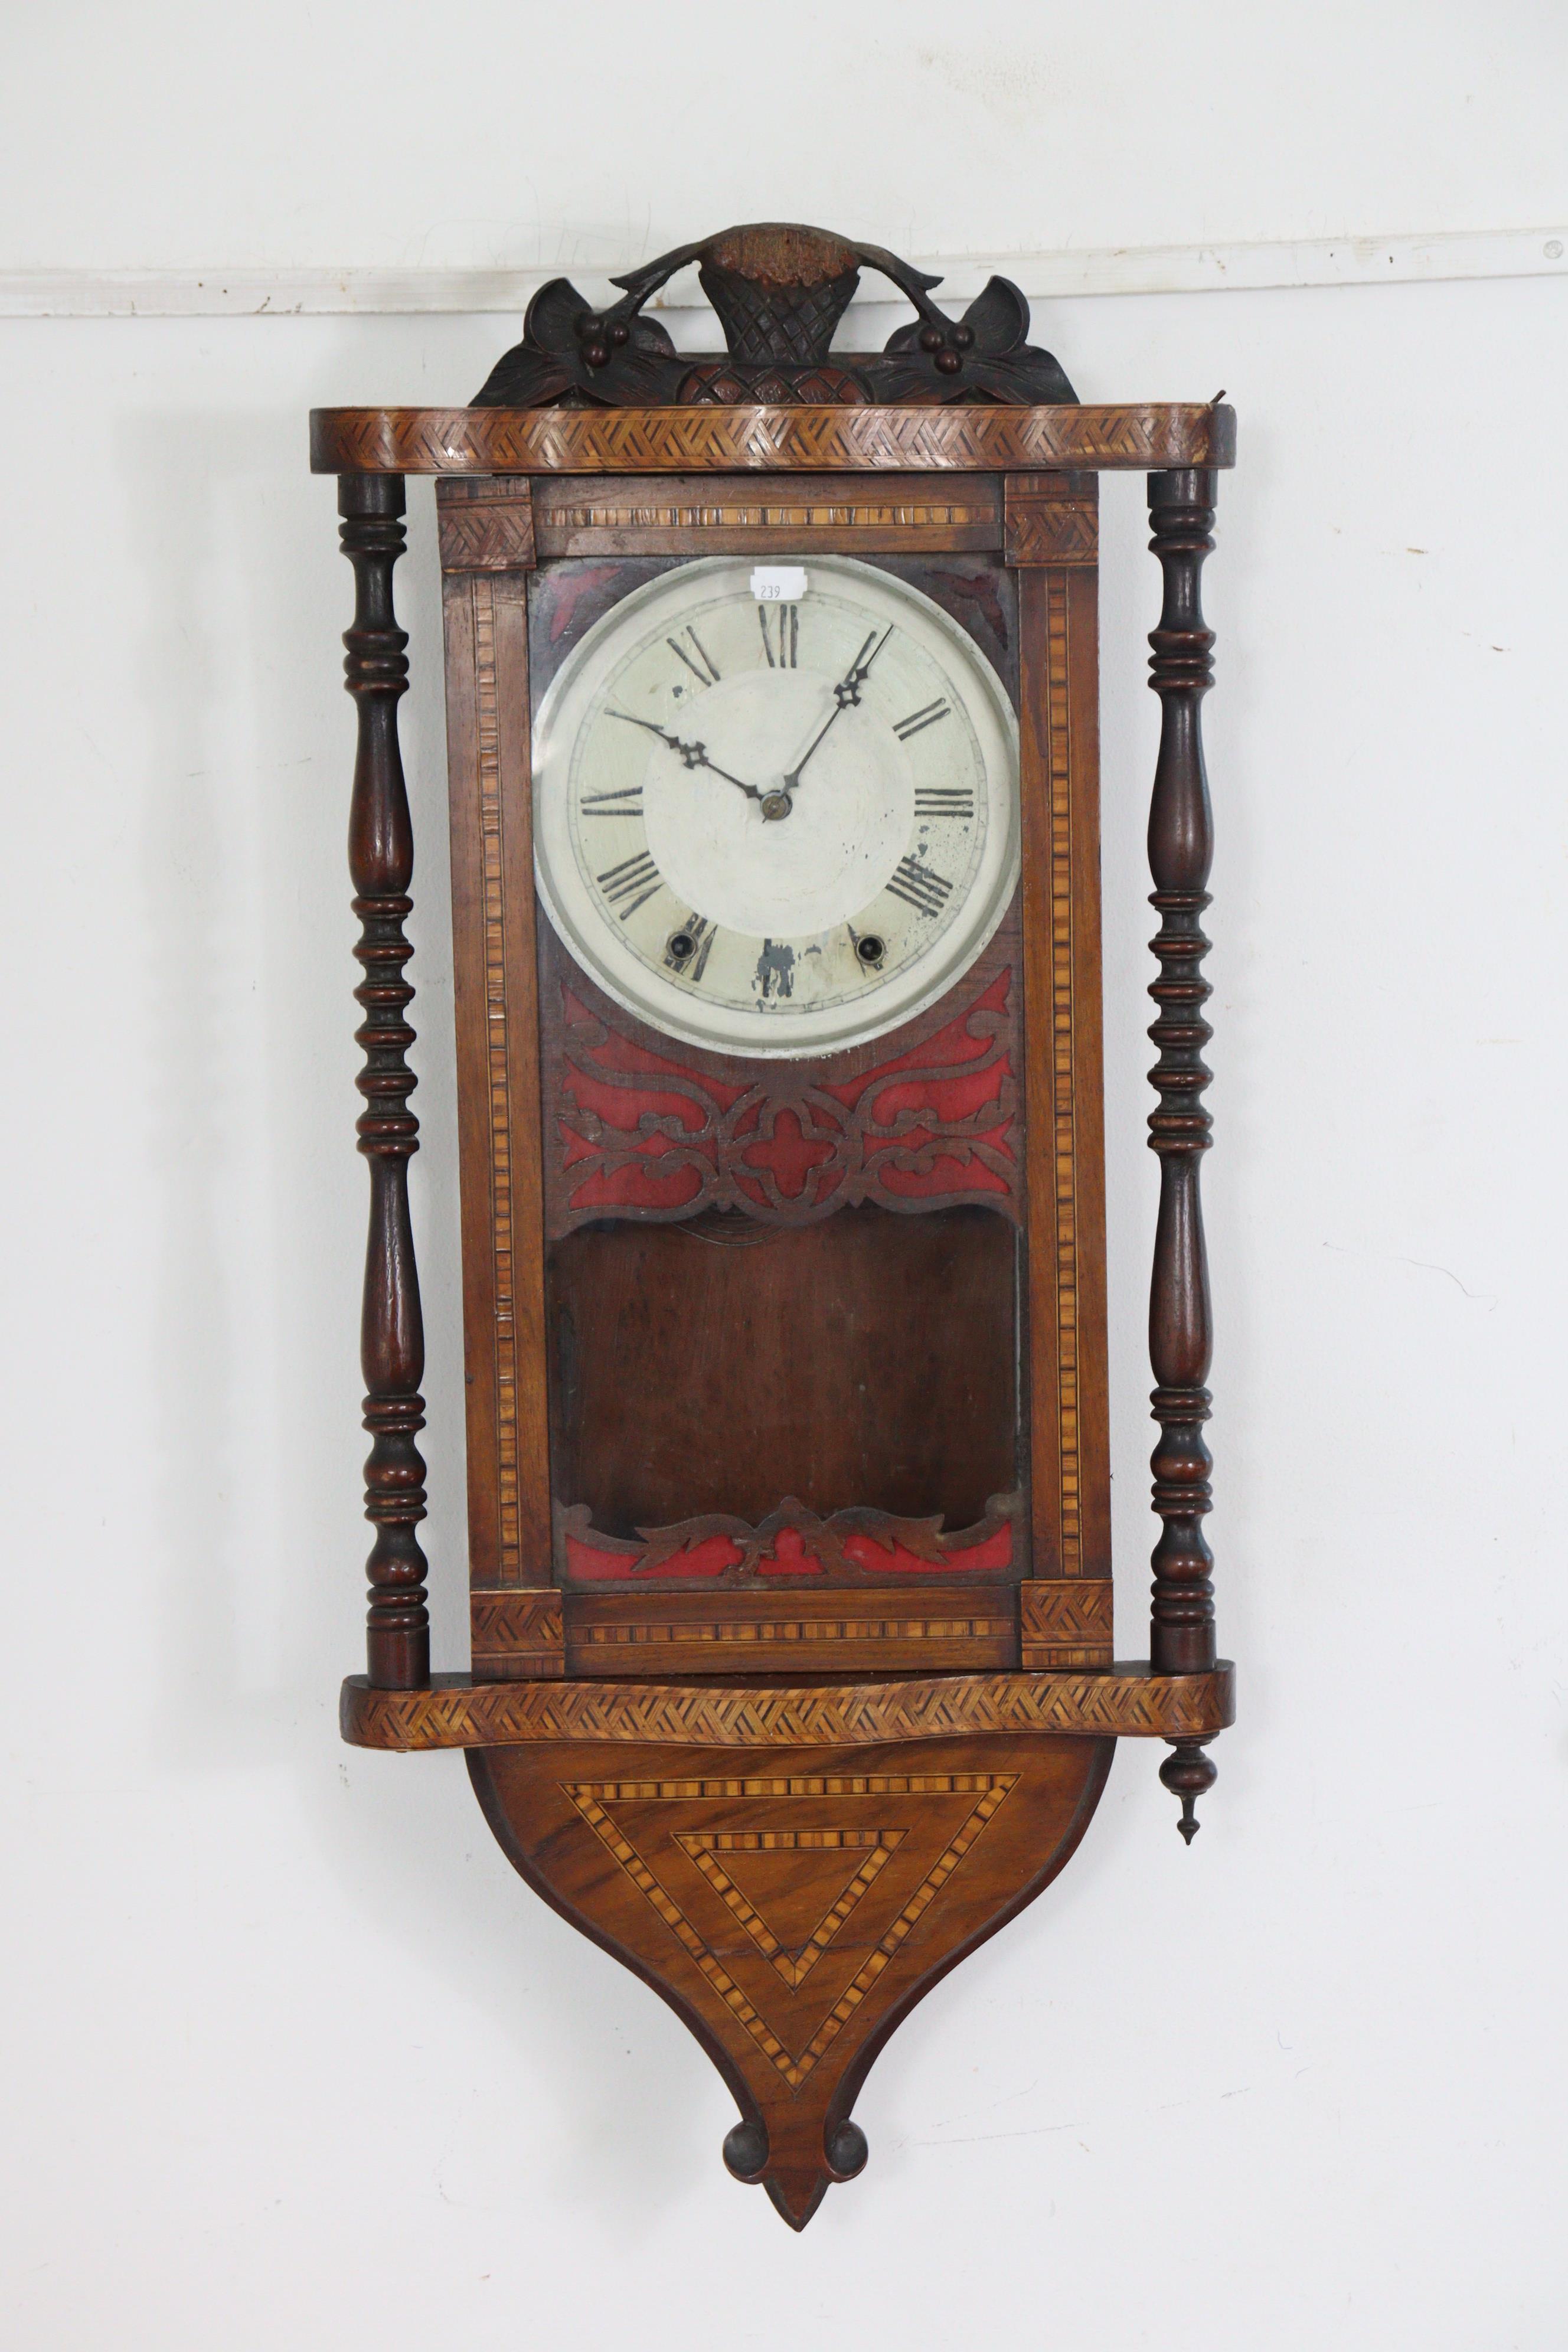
x=775, y=816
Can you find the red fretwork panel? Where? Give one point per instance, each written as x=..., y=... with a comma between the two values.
x=858, y=1546
x=928, y=1118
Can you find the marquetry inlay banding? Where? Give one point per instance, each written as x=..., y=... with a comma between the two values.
x=518, y=1632
x=592, y=1801
x=980, y=438
x=574, y=518
x=1063, y=1091
x=707, y=1849
x=788, y=1632
x=775, y=515
x=493, y=852
x=1046, y=522
x=1064, y=1621
x=1126, y=1701
x=484, y=526
x=791, y=1784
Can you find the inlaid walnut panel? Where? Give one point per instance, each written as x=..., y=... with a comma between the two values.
x=878, y=1630
x=792, y=1911
x=1064, y=1621
x=496, y=978
x=700, y=516
x=517, y=1635
x=1050, y=518
x=484, y=526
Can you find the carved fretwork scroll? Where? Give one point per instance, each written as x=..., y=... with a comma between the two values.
x=855, y=1546
x=1180, y=848
x=380, y=861
x=643, y=1130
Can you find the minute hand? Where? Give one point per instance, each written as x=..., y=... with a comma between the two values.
x=845, y=693
x=695, y=755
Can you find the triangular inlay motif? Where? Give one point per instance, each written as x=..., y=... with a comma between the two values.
x=593, y=1798
x=720, y=1854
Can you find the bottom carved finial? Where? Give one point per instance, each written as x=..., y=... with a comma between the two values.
x=796, y=2187
x=1188, y=1774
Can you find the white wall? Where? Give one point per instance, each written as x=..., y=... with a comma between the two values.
x=178, y=133
x=294, y=2059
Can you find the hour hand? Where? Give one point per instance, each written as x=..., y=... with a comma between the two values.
x=694, y=755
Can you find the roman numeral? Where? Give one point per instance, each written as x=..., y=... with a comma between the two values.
x=944, y=800
x=788, y=654
x=919, y=888
x=904, y=727
x=625, y=801
x=631, y=876
x=707, y=674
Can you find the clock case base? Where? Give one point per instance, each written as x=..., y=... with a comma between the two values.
x=792, y=1896
x=791, y=1912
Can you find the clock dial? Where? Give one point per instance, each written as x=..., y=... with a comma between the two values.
x=776, y=827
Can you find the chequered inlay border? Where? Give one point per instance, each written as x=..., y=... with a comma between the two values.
x=592, y=1799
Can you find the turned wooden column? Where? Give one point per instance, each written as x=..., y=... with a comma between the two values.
x=1181, y=849
x=381, y=863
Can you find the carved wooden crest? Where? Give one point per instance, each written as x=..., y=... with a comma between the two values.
x=780, y=291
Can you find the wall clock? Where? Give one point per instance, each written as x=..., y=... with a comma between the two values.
x=771, y=701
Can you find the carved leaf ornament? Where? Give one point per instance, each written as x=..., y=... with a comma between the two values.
x=780, y=291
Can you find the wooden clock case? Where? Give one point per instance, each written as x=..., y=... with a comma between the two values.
x=793, y=1672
